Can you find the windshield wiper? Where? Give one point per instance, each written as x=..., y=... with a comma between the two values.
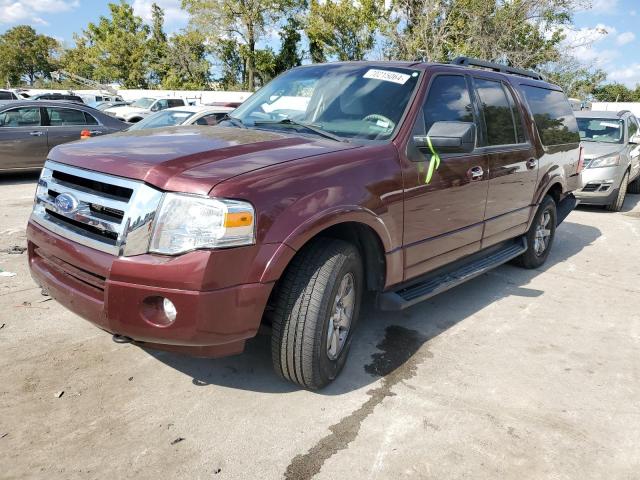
x=312, y=128
x=233, y=120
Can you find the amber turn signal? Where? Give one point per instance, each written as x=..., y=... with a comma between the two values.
x=238, y=219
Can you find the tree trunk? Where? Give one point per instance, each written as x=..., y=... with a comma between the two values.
x=251, y=64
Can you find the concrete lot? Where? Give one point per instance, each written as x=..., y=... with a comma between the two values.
x=517, y=374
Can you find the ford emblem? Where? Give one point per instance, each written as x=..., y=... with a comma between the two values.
x=66, y=203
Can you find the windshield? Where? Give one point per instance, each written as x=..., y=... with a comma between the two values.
x=143, y=102
x=350, y=101
x=603, y=130
x=165, y=118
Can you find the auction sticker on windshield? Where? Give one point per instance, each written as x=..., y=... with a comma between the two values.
x=387, y=76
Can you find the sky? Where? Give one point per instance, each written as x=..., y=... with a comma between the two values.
x=609, y=28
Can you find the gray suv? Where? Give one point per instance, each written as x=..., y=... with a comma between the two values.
x=611, y=143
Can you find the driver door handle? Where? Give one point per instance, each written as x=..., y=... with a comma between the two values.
x=476, y=173
x=532, y=163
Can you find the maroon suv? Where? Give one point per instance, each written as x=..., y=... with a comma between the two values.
x=401, y=178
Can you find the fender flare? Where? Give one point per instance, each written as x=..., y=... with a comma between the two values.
x=318, y=223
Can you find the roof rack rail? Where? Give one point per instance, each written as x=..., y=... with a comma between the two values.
x=496, y=67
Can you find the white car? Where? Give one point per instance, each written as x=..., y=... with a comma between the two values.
x=143, y=107
x=187, y=115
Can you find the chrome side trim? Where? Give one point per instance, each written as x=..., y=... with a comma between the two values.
x=126, y=237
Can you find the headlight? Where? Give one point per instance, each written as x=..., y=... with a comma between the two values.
x=610, y=161
x=189, y=222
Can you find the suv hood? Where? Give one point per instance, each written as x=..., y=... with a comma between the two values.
x=596, y=149
x=189, y=159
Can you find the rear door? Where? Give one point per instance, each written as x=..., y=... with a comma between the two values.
x=23, y=139
x=444, y=217
x=65, y=124
x=513, y=169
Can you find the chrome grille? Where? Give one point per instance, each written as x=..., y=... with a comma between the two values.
x=105, y=212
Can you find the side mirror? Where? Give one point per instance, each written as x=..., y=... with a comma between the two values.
x=635, y=139
x=155, y=107
x=448, y=137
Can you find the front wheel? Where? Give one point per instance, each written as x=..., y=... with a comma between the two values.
x=540, y=235
x=316, y=307
x=617, y=204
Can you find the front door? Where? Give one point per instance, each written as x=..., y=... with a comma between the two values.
x=23, y=139
x=443, y=218
x=513, y=169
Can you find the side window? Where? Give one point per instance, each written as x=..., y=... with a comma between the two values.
x=61, y=117
x=553, y=115
x=517, y=117
x=7, y=96
x=448, y=101
x=175, y=102
x=497, y=113
x=89, y=119
x=211, y=119
x=633, y=126
x=20, y=117
x=162, y=104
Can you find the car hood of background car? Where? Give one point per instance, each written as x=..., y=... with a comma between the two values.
x=190, y=159
x=126, y=110
x=600, y=149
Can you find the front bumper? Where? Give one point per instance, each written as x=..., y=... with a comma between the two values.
x=600, y=185
x=214, y=316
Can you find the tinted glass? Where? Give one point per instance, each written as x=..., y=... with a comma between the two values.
x=633, y=126
x=211, y=119
x=89, y=119
x=498, y=115
x=602, y=130
x=7, y=96
x=553, y=116
x=175, y=103
x=517, y=117
x=165, y=118
x=355, y=101
x=448, y=101
x=162, y=104
x=61, y=117
x=20, y=117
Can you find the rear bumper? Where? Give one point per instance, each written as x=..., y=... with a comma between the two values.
x=104, y=290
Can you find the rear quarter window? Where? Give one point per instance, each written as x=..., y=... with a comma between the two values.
x=553, y=116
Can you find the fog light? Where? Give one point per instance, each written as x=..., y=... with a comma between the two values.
x=159, y=311
x=169, y=309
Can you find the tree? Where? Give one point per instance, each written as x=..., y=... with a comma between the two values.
x=577, y=80
x=116, y=48
x=158, y=46
x=523, y=33
x=289, y=55
x=25, y=53
x=343, y=28
x=231, y=64
x=243, y=20
x=616, y=92
x=186, y=64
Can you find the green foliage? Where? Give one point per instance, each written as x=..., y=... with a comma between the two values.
x=342, y=28
x=245, y=21
x=186, y=64
x=289, y=55
x=575, y=79
x=158, y=47
x=616, y=92
x=116, y=48
x=26, y=54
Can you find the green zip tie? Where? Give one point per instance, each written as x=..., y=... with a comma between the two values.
x=434, y=164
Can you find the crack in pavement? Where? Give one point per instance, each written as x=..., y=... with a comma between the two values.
x=397, y=361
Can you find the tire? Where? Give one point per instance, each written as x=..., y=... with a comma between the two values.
x=305, y=301
x=617, y=204
x=634, y=187
x=536, y=254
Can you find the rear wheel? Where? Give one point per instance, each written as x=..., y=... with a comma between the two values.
x=316, y=308
x=540, y=235
x=617, y=204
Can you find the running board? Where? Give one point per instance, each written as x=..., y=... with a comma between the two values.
x=437, y=283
